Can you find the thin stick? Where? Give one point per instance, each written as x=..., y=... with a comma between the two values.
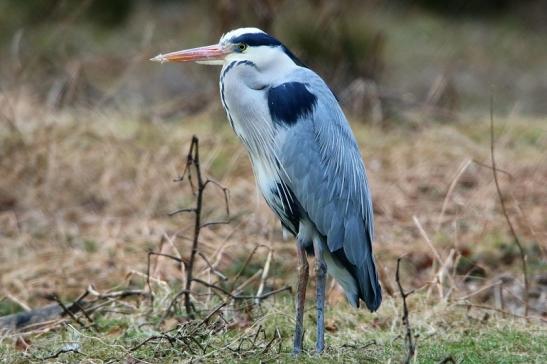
x=409, y=337
x=181, y=261
x=427, y=240
x=20, y=303
x=244, y=266
x=459, y=173
x=504, y=209
x=242, y=297
x=173, y=302
x=61, y=351
x=78, y=304
x=67, y=311
x=211, y=268
x=490, y=167
x=248, y=280
x=264, y=275
x=117, y=294
x=484, y=307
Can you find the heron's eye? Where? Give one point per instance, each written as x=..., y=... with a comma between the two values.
x=242, y=47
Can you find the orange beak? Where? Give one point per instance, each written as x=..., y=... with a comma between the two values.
x=202, y=54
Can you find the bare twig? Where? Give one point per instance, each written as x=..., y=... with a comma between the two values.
x=117, y=294
x=171, y=304
x=181, y=211
x=459, y=173
x=79, y=304
x=244, y=266
x=224, y=190
x=264, y=276
x=66, y=310
x=508, y=313
x=504, y=209
x=409, y=337
x=490, y=167
x=268, y=294
x=241, y=297
x=427, y=240
x=212, y=313
x=17, y=301
x=192, y=161
x=163, y=336
x=211, y=268
x=63, y=351
x=181, y=261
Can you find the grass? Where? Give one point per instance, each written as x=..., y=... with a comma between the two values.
x=354, y=336
x=93, y=197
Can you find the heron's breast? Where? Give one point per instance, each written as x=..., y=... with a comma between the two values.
x=266, y=177
x=278, y=195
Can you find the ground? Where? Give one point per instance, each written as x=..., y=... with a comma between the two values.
x=105, y=190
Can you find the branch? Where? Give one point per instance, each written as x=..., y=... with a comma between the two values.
x=193, y=163
x=409, y=337
x=181, y=261
x=66, y=310
x=242, y=297
x=181, y=211
x=192, y=159
x=504, y=209
x=74, y=348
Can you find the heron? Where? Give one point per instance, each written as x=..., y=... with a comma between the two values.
x=305, y=160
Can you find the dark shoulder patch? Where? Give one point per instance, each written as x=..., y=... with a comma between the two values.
x=290, y=101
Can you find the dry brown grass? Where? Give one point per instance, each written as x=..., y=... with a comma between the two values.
x=84, y=195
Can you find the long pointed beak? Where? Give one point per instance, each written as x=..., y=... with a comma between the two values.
x=206, y=54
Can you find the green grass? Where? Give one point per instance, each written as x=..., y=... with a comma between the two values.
x=354, y=336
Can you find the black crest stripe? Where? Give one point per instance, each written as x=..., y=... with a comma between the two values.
x=263, y=39
x=256, y=39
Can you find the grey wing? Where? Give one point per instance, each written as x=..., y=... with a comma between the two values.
x=326, y=173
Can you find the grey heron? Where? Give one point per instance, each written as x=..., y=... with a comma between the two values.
x=305, y=160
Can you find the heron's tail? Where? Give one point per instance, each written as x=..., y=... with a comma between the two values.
x=369, y=286
x=359, y=282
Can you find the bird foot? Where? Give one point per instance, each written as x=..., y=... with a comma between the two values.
x=297, y=351
x=319, y=348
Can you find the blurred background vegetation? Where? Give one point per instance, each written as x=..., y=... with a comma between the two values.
x=92, y=135
x=381, y=57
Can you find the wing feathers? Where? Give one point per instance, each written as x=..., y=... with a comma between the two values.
x=327, y=175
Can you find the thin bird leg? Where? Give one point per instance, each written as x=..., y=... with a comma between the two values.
x=321, y=279
x=303, y=274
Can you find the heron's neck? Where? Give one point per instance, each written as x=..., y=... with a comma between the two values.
x=243, y=89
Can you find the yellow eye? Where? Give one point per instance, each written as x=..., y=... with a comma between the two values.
x=242, y=46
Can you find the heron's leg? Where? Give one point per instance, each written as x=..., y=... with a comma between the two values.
x=321, y=279
x=303, y=274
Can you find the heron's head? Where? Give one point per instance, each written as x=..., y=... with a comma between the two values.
x=243, y=44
